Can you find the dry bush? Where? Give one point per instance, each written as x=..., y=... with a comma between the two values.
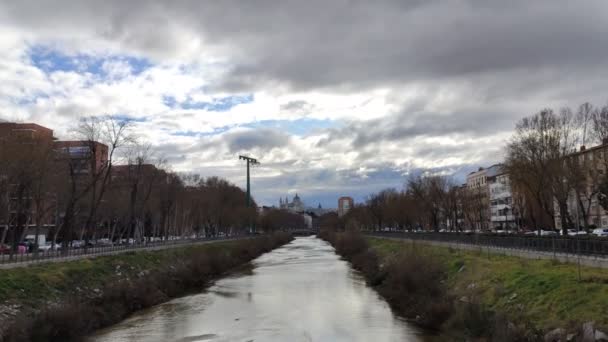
x=74, y=319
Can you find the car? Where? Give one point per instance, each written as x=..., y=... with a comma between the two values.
x=602, y=232
x=574, y=232
x=104, y=242
x=45, y=248
x=541, y=232
x=77, y=243
x=5, y=249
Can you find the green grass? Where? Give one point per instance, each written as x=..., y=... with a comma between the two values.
x=545, y=292
x=51, y=281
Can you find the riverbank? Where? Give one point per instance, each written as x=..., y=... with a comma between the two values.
x=65, y=301
x=485, y=296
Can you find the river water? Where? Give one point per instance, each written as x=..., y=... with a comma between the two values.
x=299, y=292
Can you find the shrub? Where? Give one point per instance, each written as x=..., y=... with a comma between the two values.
x=74, y=319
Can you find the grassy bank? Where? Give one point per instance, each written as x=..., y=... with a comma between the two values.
x=481, y=296
x=65, y=301
x=544, y=292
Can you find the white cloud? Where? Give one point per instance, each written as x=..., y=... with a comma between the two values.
x=390, y=91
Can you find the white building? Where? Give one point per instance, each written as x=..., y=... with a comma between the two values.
x=295, y=206
x=501, y=202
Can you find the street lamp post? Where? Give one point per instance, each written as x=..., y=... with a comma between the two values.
x=250, y=162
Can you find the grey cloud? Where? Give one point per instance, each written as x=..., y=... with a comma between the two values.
x=406, y=127
x=344, y=44
x=513, y=55
x=261, y=139
x=299, y=106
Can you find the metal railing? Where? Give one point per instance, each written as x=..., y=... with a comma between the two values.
x=74, y=253
x=587, y=245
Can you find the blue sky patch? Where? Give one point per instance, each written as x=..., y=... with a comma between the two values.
x=220, y=104
x=50, y=60
x=201, y=134
x=300, y=127
x=129, y=118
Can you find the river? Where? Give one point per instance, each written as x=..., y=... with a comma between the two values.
x=300, y=292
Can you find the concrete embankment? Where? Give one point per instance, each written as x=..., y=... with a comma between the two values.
x=65, y=301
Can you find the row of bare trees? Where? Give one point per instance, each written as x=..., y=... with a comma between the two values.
x=107, y=184
x=550, y=166
x=427, y=201
x=552, y=174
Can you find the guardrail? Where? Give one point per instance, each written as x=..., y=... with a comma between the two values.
x=588, y=245
x=72, y=253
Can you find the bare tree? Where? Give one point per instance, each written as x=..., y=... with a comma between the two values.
x=114, y=133
x=537, y=159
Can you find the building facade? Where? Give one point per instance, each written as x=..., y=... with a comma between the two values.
x=26, y=152
x=87, y=157
x=584, y=206
x=295, y=206
x=478, y=203
x=345, y=204
x=502, y=211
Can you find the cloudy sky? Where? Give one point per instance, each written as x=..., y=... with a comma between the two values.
x=334, y=97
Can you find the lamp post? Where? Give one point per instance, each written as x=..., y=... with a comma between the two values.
x=250, y=162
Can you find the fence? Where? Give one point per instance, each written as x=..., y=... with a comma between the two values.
x=588, y=245
x=74, y=253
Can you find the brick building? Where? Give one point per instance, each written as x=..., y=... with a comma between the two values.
x=345, y=204
x=25, y=148
x=24, y=132
x=85, y=155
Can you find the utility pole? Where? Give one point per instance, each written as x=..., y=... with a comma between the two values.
x=250, y=161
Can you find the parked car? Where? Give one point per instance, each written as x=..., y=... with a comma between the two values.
x=22, y=248
x=5, y=249
x=542, y=232
x=45, y=248
x=104, y=242
x=574, y=232
x=602, y=232
x=77, y=243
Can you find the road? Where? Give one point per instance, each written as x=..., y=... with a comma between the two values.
x=75, y=254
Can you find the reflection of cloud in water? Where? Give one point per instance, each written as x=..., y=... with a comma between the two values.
x=300, y=292
x=225, y=294
x=203, y=337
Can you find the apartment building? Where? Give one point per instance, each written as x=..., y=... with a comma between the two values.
x=24, y=132
x=502, y=210
x=593, y=163
x=482, y=204
x=24, y=148
x=84, y=155
x=345, y=204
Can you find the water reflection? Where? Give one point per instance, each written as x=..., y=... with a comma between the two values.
x=300, y=292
